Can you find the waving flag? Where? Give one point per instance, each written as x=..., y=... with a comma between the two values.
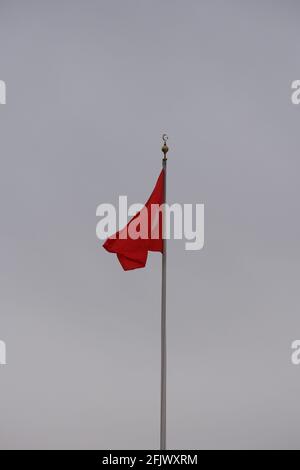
x=142, y=234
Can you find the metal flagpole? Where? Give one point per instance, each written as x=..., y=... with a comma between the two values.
x=163, y=397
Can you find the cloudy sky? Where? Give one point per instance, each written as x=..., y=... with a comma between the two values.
x=91, y=87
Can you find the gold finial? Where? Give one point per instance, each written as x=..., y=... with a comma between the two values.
x=165, y=148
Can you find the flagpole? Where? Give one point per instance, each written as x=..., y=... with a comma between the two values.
x=163, y=397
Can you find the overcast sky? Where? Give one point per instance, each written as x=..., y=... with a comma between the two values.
x=91, y=87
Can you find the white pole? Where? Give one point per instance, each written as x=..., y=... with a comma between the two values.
x=163, y=406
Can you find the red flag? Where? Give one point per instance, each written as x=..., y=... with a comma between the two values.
x=143, y=233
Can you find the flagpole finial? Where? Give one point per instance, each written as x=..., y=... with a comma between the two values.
x=165, y=148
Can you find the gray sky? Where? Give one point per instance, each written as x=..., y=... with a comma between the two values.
x=91, y=86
